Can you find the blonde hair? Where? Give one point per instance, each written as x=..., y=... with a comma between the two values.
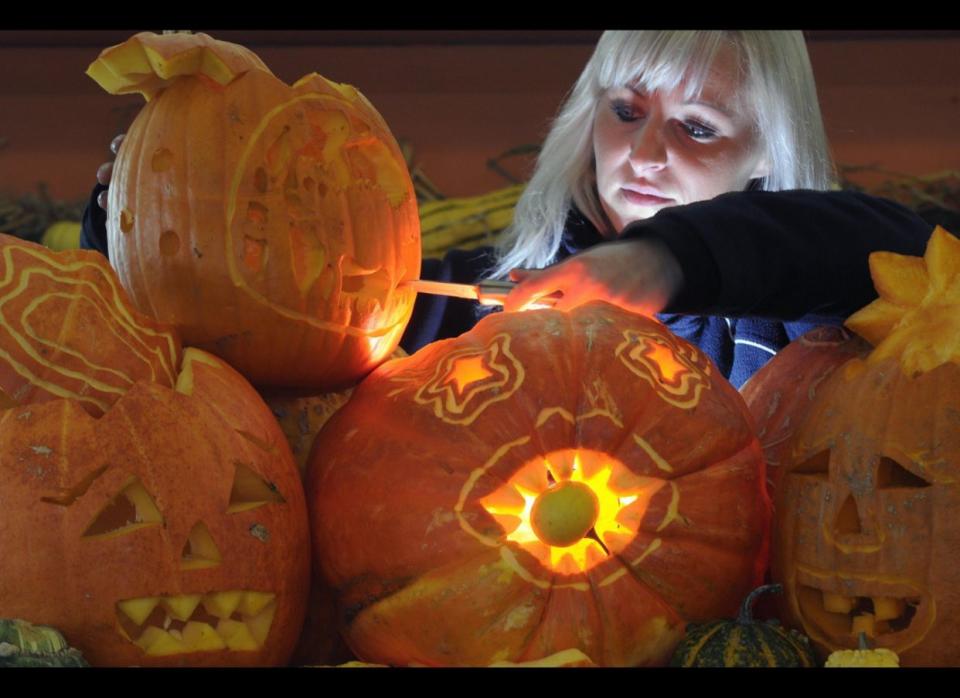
x=777, y=83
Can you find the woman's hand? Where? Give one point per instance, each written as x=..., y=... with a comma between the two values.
x=637, y=275
x=105, y=172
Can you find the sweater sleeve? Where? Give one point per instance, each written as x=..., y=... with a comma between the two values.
x=93, y=228
x=783, y=255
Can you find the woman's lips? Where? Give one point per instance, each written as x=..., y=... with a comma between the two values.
x=644, y=198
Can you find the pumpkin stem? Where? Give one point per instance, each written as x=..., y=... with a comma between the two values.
x=746, y=609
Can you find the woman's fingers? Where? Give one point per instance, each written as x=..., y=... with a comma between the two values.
x=115, y=143
x=104, y=173
x=532, y=285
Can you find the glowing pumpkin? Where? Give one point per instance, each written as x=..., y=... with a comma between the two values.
x=270, y=224
x=868, y=503
x=151, y=511
x=545, y=482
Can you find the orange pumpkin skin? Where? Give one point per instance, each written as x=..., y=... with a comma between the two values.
x=779, y=394
x=171, y=491
x=865, y=526
x=866, y=509
x=270, y=224
x=416, y=486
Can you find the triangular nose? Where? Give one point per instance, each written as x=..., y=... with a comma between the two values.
x=200, y=550
x=848, y=519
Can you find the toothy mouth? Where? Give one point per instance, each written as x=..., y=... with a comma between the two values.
x=223, y=620
x=841, y=607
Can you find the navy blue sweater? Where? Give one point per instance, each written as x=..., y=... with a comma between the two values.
x=760, y=269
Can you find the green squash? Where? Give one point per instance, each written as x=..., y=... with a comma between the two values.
x=744, y=642
x=24, y=644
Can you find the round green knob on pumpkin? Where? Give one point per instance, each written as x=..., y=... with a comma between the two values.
x=744, y=642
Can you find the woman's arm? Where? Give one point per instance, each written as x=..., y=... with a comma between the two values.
x=781, y=255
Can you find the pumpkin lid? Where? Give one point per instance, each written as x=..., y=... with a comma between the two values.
x=148, y=62
x=916, y=319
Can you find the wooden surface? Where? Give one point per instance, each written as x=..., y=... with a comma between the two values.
x=461, y=98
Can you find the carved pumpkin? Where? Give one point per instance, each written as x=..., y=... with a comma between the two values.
x=548, y=481
x=868, y=504
x=270, y=224
x=151, y=511
x=779, y=394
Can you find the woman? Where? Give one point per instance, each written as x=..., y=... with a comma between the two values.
x=686, y=175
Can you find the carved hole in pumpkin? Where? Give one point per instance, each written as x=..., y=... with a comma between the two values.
x=200, y=550
x=891, y=474
x=126, y=221
x=260, y=180
x=848, y=519
x=169, y=243
x=835, y=613
x=251, y=491
x=818, y=465
x=162, y=160
x=309, y=183
x=257, y=212
x=254, y=253
x=132, y=509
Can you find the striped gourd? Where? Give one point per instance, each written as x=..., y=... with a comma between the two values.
x=744, y=642
x=466, y=223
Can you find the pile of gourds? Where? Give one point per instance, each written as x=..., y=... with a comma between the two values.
x=549, y=489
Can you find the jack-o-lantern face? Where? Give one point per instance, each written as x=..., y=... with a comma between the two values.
x=546, y=481
x=866, y=512
x=166, y=526
x=271, y=224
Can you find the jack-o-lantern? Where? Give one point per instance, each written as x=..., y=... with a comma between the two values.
x=151, y=510
x=865, y=534
x=779, y=394
x=270, y=224
x=547, y=481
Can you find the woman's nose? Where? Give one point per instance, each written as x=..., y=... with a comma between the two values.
x=648, y=150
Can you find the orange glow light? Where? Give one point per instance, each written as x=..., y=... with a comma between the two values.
x=467, y=371
x=665, y=361
x=622, y=497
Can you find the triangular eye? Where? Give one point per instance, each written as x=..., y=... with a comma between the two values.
x=132, y=509
x=200, y=550
x=251, y=491
x=817, y=465
x=891, y=474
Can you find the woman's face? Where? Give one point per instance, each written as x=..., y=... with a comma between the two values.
x=658, y=150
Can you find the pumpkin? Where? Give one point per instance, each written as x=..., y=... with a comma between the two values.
x=547, y=481
x=867, y=509
x=781, y=391
x=271, y=224
x=23, y=644
x=152, y=511
x=863, y=657
x=302, y=413
x=744, y=642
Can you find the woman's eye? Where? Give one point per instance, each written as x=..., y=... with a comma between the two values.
x=624, y=111
x=699, y=131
